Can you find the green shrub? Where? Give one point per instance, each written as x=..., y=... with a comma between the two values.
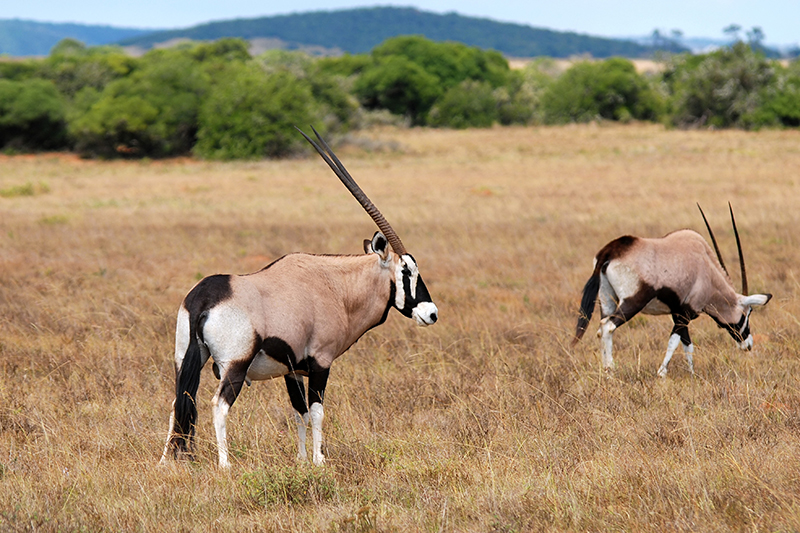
x=399, y=85
x=32, y=115
x=723, y=89
x=610, y=89
x=469, y=104
x=409, y=73
x=73, y=66
x=519, y=101
x=780, y=101
x=250, y=113
x=152, y=112
x=337, y=107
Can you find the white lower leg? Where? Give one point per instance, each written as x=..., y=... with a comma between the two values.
x=689, y=351
x=607, y=343
x=302, y=422
x=317, y=414
x=220, y=408
x=672, y=345
x=169, y=433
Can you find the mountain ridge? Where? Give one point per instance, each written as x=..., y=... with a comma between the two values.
x=350, y=30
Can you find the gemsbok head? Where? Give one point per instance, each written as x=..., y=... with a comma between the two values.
x=676, y=275
x=293, y=318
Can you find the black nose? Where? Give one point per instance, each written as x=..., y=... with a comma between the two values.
x=434, y=317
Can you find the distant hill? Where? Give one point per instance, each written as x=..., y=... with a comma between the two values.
x=29, y=38
x=360, y=30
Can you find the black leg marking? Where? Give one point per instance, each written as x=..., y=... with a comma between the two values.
x=631, y=306
x=232, y=381
x=317, y=381
x=296, y=388
x=681, y=328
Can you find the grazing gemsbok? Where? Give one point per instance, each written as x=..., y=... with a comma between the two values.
x=293, y=319
x=677, y=275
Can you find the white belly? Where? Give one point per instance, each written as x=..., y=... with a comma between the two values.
x=265, y=367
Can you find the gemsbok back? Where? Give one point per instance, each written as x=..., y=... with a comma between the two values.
x=293, y=318
x=676, y=275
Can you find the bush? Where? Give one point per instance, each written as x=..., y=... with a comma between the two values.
x=252, y=114
x=152, y=112
x=399, y=85
x=337, y=107
x=469, y=104
x=409, y=73
x=610, y=90
x=725, y=88
x=72, y=66
x=31, y=115
x=780, y=101
x=519, y=101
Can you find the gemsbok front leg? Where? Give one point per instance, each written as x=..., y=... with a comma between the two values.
x=296, y=388
x=679, y=335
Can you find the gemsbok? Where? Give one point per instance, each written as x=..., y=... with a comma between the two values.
x=676, y=275
x=293, y=318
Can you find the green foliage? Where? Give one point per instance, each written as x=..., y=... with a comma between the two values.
x=289, y=485
x=408, y=74
x=399, y=85
x=468, y=104
x=250, y=113
x=780, y=101
x=345, y=65
x=610, y=89
x=73, y=66
x=725, y=88
x=31, y=115
x=152, y=112
x=519, y=101
x=337, y=107
x=450, y=62
x=18, y=70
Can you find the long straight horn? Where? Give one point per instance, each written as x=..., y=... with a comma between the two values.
x=713, y=240
x=355, y=190
x=739, y=246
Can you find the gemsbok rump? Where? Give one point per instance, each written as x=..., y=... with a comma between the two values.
x=293, y=318
x=676, y=275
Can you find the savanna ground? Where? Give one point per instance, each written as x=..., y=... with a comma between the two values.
x=487, y=420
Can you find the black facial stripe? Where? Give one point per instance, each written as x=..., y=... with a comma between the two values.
x=739, y=331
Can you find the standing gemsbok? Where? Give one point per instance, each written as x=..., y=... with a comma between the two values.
x=676, y=275
x=293, y=319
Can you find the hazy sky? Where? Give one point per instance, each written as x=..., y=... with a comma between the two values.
x=779, y=19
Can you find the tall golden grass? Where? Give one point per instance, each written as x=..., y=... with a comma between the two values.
x=487, y=421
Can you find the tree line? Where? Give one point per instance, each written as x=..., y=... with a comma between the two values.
x=216, y=101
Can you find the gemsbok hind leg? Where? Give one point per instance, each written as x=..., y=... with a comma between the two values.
x=626, y=310
x=232, y=378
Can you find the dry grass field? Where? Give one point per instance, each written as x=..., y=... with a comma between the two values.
x=486, y=421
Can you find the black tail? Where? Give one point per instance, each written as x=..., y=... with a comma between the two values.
x=186, y=383
x=588, y=300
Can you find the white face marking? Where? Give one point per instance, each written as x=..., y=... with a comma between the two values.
x=400, y=293
x=747, y=344
x=424, y=313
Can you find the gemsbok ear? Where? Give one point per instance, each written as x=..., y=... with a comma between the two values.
x=378, y=245
x=755, y=300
